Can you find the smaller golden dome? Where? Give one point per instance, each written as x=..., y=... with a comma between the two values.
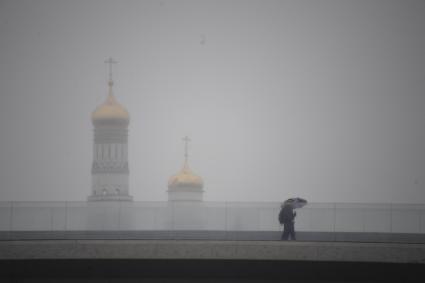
x=111, y=112
x=186, y=179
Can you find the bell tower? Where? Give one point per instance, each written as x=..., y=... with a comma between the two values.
x=110, y=172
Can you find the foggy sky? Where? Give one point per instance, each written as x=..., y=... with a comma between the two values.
x=319, y=99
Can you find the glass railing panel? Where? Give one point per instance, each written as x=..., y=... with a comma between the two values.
x=93, y=216
x=376, y=218
x=58, y=214
x=144, y=216
x=348, y=218
x=243, y=216
x=406, y=218
x=32, y=216
x=110, y=212
x=5, y=216
x=316, y=217
x=188, y=216
x=215, y=216
x=269, y=217
x=78, y=218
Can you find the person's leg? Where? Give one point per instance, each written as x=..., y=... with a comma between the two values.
x=292, y=231
x=285, y=233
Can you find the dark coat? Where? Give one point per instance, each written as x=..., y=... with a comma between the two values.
x=286, y=214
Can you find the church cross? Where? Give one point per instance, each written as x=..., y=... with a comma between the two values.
x=186, y=143
x=110, y=61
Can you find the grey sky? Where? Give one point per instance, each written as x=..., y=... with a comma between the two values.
x=319, y=99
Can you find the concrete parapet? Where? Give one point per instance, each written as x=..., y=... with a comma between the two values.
x=213, y=250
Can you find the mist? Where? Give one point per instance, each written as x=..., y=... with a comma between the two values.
x=318, y=99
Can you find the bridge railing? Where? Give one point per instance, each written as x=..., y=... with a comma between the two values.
x=209, y=216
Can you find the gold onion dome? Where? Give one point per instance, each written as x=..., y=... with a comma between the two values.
x=185, y=179
x=111, y=112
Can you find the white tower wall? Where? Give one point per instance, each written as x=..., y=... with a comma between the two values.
x=110, y=173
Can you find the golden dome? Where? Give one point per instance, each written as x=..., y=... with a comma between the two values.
x=111, y=112
x=185, y=179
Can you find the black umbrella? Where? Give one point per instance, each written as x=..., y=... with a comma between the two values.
x=295, y=202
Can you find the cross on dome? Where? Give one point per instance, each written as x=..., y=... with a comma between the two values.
x=111, y=111
x=185, y=179
x=186, y=140
x=110, y=61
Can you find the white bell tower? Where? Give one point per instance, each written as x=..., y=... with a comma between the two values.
x=110, y=172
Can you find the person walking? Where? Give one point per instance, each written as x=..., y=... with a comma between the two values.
x=287, y=217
